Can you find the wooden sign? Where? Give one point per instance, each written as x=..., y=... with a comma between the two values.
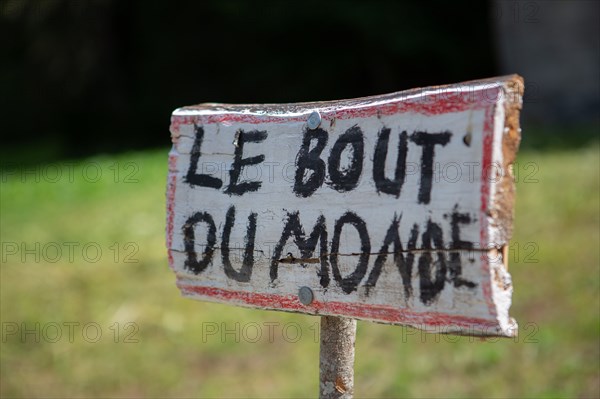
x=395, y=208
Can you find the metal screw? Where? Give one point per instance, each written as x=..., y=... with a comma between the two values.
x=305, y=295
x=314, y=120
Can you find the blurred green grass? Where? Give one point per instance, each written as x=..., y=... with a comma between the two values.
x=554, y=264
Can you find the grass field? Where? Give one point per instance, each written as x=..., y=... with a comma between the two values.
x=89, y=307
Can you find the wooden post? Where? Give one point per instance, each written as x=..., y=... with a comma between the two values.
x=338, y=335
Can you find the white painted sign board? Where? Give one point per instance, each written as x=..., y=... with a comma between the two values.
x=395, y=208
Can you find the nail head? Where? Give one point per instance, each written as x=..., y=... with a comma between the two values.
x=314, y=120
x=305, y=295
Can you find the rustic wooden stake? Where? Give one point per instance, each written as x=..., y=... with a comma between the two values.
x=338, y=335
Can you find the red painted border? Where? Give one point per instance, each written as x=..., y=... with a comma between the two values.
x=485, y=98
x=171, y=188
x=359, y=311
x=486, y=163
x=433, y=104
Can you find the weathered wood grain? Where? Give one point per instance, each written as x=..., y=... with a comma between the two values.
x=336, y=357
x=406, y=224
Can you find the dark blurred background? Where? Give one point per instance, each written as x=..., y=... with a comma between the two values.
x=83, y=77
